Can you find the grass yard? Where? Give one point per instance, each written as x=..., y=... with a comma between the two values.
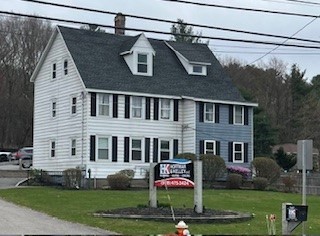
x=78, y=206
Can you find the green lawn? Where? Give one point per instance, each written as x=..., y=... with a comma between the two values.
x=78, y=206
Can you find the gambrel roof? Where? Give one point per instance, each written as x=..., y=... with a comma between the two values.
x=98, y=59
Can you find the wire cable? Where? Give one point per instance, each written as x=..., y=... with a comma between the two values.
x=242, y=8
x=162, y=32
x=172, y=22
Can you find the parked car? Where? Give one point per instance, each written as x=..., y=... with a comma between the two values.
x=26, y=162
x=24, y=152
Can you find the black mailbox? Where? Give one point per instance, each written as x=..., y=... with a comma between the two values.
x=296, y=213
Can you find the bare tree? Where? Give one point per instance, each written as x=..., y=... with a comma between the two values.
x=21, y=46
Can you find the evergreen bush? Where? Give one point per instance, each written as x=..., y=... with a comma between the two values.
x=267, y=168
x=119, y=181
x=72, y=178
x=234, y=181
x=260, y=183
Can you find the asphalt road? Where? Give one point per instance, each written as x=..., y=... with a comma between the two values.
x=17, y=220
x=24, y=221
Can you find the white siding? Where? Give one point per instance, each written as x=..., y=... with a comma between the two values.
x=189, y=116
x=121, y=127
x=64, y=126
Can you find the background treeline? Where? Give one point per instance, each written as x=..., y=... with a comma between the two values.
x=288, y=105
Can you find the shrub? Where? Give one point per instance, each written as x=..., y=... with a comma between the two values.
x=267, y=168
x=119, y=181
x=260, y=183
x=72, y=178
x=213, y=167
x=127, y=172
x=286, y=161
x=234, y=181
x=289, y=183
x=38, y=177
x=245, y=172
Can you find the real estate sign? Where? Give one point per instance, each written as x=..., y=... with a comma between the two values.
x=177, y=173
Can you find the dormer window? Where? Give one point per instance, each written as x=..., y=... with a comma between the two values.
x=142, y=63
x=198, y=69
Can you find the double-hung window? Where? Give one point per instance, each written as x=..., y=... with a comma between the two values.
x=136, y=149
x=54, y=108
x=54, y=71
x=165, y=109
x=73, y=147
x=238, y=115
x=103, y=148
x=136, y=107
x=52, y=148
x=65, y=67
x=142, y=63
x=209, y=112
x=104, y=105
x=73, y=105
x=210, y=147
x=164, y=149
x=238, y=152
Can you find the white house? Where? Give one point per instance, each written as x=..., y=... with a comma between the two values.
x=108, y=102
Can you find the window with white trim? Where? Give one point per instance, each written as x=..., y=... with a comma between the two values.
x=65, y=67
x=165, y=109
x=103, y=148
x=209, y=112
x=136, y=149
x=136, y=107
x=210, y=147
x=73, y=105
x=73, y=147
x=54, y=108
x=238, y=115
x=54, y=71
x=238, y=152
x=52, y=148
x=104, y=105
x=197, y=69
x=142, y=63
x=164, y=150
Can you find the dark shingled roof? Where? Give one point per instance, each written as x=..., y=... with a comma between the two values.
x=98, y=60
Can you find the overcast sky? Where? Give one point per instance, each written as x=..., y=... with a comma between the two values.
x=306, y=59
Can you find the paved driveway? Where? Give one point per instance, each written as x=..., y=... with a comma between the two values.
x=20, y=220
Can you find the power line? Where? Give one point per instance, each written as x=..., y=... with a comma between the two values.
x=284, y=41
x=243, y=9
x=162, y=32
x=172, y=22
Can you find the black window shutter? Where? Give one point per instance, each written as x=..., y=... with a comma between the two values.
x=127, y=107
x=175, y=147
x=201, y=111
x=230, y=159
x=147, y=150
x=115, y=106
x=217, y=113
x=175, y=110
x=126, y=149
x=155, y=150
x=114, y=149
x=92, y=148
x=230, y=114
x=246, y=116
x=148, y=108
x=201, y=148
x=156, y=109
x=218, y=148
x=93, y=104
x=246, y=152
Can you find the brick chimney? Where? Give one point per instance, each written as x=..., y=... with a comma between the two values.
x=119, y=23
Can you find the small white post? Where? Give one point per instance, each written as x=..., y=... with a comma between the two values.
x=152, y=188
x=198, y=186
